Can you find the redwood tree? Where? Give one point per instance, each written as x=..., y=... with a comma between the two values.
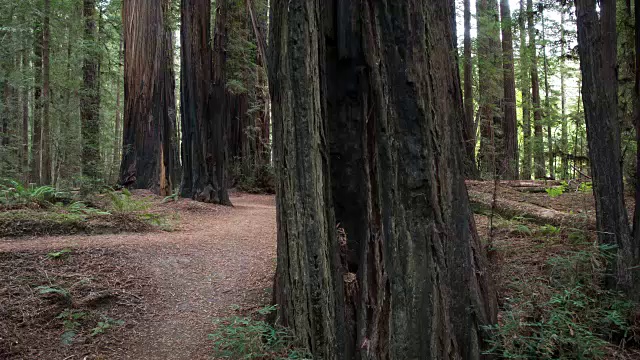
x=149, y=156
x=90, y=97
x=367, y=110
x=202, y=129
x=469, y=129
x=508, y=164
x=538, y=142
x=597, y=47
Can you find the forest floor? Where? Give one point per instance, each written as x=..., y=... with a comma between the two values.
x=155, y=295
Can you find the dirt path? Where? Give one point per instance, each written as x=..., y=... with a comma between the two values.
x=218, y=258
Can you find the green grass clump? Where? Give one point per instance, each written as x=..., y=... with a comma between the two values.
x=250, y=337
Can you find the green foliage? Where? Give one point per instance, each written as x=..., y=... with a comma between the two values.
x=577, y=321
x=586, y=187
x=555, y=191
x=13, y=193
x=59, y=254
x=242, y=337
x=123, y=202
x=104, y=325
x=550, y=230
x=47, y=290
x=523, y=230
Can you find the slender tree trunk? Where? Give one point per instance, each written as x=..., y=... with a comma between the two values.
x=490, y=75
x=90, y=96
x=564, y=138
x=46, y=101
x=525, y=89
x=598, y=59
x=547, y=105
x=36, y=147
x=469, y=129
x=538, y=143
x=149, y=114
x=199, y=154
x=509, y=163
x=636, y=215
x=371, y=88
x=118, y=124
x=25, y=115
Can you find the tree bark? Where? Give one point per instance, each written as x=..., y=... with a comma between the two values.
x=508, y=164
x=538, y=142
x=118, y=123
x=148, y=160
x=202, y=131
x=490, y=75
x=469, y=129
x=90, y=96
x=46, y=101
x=25, y=116
x=598, y=58
x=525, y=89
x=371, y=144
x=564, y=137
x=547, y=105
x=36, y=147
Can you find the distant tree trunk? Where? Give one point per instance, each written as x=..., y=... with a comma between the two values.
x=118, y=125
x=564, y=138
x=200, y=154
x=36, y=147
x=469, y=129
x=547, y=105
x=490, y=76
x=509, y=163
x=375, y=82
x=46, y=101
x=538, y=142
x=90, y=96
x=149, y=115
x=525, y=89
x=25, y=116
x=598, y=58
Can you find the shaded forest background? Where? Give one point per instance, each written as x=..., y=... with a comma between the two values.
x=63, y=95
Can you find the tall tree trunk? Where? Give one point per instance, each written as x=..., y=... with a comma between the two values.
x=469, y=129
x=46, y=101
x=547, y=105
x=149, y=114
x=90, y=96
x=36, y=147
x=564, y=137
x=380, y=109
x=490, y=75
x=525, y=89
x=25, y=115
x=509, y=162
x=538, y=143
x=199, y=154
x=118, y=123
x=598, y=61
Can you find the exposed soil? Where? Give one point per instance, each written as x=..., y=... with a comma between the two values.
x=219, y=259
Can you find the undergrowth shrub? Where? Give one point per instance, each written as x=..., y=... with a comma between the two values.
x=577, y=320
x=251, y=337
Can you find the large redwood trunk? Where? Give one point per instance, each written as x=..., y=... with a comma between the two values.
x=46, y=94
x=148, y=160
x=598, y=62
x=371, y=144
x=202, y=131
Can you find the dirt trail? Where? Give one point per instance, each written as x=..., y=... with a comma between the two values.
x=219, y=257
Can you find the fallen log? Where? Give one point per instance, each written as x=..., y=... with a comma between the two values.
x=481, y=202
x=519, y=183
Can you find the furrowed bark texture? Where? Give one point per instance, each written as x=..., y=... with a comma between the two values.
x=367, y=113
x=201, y=137
x=491, y=79
x=508, y=164
x=148, y=159
x=90, y=96
x=597, y=50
